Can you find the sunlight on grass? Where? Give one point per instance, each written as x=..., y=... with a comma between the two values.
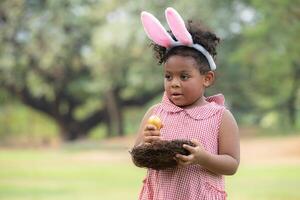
x=265, y=182
x=60, y=175
x=54, y=175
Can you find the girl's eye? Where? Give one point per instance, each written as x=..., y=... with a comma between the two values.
x=168, y=77
x=184, y=77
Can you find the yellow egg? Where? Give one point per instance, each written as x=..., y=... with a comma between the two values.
x=155, y=120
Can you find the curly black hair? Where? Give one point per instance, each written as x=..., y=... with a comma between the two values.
x=201, y=35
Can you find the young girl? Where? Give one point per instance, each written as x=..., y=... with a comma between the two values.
x=188, y=65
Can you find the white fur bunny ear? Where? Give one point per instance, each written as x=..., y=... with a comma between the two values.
x=155, y=31
x=177, y=26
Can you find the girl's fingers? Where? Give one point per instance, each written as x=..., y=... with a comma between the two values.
x=181, y=162
x=183, y=157
x=189, y=148
x=150, y=127
x=192, y=149
x=151, y=138
x=196, y=142
x=152, y=133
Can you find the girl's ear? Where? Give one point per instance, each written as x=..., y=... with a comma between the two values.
x=209, y=78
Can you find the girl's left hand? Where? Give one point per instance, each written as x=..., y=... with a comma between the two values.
x=197, y=156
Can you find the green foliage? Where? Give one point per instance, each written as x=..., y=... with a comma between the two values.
x=267, y=56
x=84, y=48
x=21, y=125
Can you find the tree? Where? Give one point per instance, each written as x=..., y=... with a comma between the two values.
x=82, y=62
x=269, y=54
x=43, y=56
x=41, y=61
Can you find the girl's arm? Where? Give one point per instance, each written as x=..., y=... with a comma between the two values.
x=147, y=132
x=228, y=159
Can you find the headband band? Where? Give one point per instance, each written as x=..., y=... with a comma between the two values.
x=158, y=34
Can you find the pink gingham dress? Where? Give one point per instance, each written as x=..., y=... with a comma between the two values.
x=192, y=182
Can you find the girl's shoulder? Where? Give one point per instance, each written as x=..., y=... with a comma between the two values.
x=153, y=109
x=228, y=118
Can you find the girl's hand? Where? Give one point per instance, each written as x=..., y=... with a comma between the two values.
x=151, y=133
x=197, y=156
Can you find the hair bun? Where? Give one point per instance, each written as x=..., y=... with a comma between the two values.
x=202, y=35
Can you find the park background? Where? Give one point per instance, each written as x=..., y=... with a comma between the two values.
x=76, y=77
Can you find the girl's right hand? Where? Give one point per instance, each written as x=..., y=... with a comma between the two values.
x=151, y=133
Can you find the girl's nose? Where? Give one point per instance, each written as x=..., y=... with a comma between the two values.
x=175, y=83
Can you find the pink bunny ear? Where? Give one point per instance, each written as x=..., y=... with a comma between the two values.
x=155, y=31
x=177, y=26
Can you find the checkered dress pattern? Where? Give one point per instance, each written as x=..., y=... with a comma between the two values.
x=192, y=182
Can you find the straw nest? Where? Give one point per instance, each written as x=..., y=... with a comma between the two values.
x=160, y=154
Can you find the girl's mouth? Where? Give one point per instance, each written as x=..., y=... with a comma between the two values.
x=176, y=95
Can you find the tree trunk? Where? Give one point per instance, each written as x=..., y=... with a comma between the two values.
x=70, y=131
x=71, y=128
x=292, y=101
x=114, y=111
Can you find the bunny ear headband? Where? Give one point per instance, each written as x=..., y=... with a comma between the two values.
x=158, y=34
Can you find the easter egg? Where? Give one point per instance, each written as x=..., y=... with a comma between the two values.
x=155, y=120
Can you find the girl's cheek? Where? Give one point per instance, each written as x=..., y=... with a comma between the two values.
x=166, y=86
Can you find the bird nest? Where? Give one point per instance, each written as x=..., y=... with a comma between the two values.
x=160, y=154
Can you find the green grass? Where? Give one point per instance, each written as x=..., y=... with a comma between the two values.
x=55, y=175
x=265, y=182
x=60, y=175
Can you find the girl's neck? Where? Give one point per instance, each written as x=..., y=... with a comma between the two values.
x=199, y=102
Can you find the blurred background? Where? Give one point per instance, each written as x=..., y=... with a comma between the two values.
x=76, y=77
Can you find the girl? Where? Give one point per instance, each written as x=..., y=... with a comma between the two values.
x=188, y=64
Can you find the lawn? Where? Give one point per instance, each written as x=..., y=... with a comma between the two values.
x=28, y=174
x=64, y=174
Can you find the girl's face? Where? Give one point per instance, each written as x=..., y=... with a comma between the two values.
x=184, y=85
